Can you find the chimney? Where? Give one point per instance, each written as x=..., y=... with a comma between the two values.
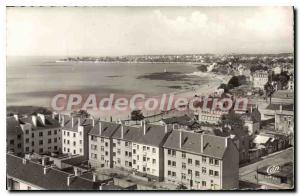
x=68, y=180
x=180, y=139
x=166, y=129
x=62, y=121
x=44, y=163
x=100, y=187
x=280, y=108
x=226, y=142
x=78, y=121
x=72, y=122
x=251, y=109
x=34, y=120
x=53, y=115
x=42, y=118
x=94, y=177
x=76, y=171
x=122, y=132
x=93, y=120
x=45, y=170
x=59, y=118
x=145, y=128
x=201, y=143
x=100, y=127
x=141, y=123
x=24, y=161
x=16, y=116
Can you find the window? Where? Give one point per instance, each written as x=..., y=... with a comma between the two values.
x=216, y=162
x=211, y=172
x=40, y=134
x=12, y=142
x=68, y=142
x=55, y=132
x=190, y=172
x=74, y=143
x=80, y=150
x=68, y=133
x=169, y=163
x=27, y=149
x=106, y=153
x=173, y=153
x=49, y=132
x=169, y=173
x=32, y=134
x=74, y=151
x=126, y=144
x=41, y=150
x=144, y=158
x=183, y=155
x=118, y=141
x=41, y=142
x=203, y=170
x=134, y=161
x=153, y=150
x=27, y=140
x=102, y=148
x=80, y=141
x=102, y=158
x=19, y=145
x=204, y=183
x=190, y=161
x=65, y=133
x=55, y=140
x=49, y=141
x=183, y=176
x=106, y=144
x=197, y=163
x=55, y=147
x=114, y=144
x=144, y=148
x=153, y=161
x=211, y=161
x=169, y=152
x=26, y=131
x=102, y=139
x=216, y=173
x=183, y=166
x=134, y=151
x=118, y=151
x=19, y=137
x=197, y=174
x=203, y=159
x=32, y=143
x=148, y=148
x=174, y=174
x=137, y=146
x=174, y=164
x=126, y=153
x=74, y=134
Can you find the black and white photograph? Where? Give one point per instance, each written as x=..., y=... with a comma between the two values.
x=150, y=98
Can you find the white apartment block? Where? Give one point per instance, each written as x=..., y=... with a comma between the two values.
x=200, y=161
x=75, y=135
x=260, y=78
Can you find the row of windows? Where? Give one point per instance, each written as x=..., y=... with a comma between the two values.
x=41, y=150
x=74, y=143
x=74, y=134
x=67, y=150
x=146, y=148
x=212, y=161
x=41, y=133
x=197, y=173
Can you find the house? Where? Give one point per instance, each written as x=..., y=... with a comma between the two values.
x=252, y=120
x=37, y=133
x=181, y=122
x=201, y=161
x=26, y=174
x=75, y=135
x=259, y=79
x=284, y=120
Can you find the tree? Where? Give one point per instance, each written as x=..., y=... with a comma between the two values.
x=137, y=115
x=269, y=89
x=232, y=119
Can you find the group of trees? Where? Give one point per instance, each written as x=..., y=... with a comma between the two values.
x=202, y=68
x=235, y=81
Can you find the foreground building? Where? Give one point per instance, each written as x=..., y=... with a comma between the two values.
x=24, y=174
x=35, y=133
x=200, y=161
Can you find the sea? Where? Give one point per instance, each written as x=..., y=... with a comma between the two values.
x=36, y=80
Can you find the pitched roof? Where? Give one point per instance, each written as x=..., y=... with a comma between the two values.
x=107, y=129
x=86, y=122
x=213, y=146
x=54, y=179
x=49, y=122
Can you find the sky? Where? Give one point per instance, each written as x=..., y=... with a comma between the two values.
x=111, y=31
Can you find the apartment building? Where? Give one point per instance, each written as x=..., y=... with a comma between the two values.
x=147, y=150
x=200, y=161
x=259, y=79
x=14, y=135
x=122, y=146
x=252, y=121
x=75, y=135
x=101, y=144
x=35, y=133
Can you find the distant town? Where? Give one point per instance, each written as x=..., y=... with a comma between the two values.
x=247, y=149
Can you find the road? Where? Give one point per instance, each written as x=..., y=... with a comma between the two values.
x=248, y=173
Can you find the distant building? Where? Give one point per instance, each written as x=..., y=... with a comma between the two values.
x=181, y=122
x=259, y=79
x=35, y=133
x=252, y=121
x=284, y=122
x=200, y=161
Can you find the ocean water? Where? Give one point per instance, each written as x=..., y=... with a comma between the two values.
x=35, y=80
